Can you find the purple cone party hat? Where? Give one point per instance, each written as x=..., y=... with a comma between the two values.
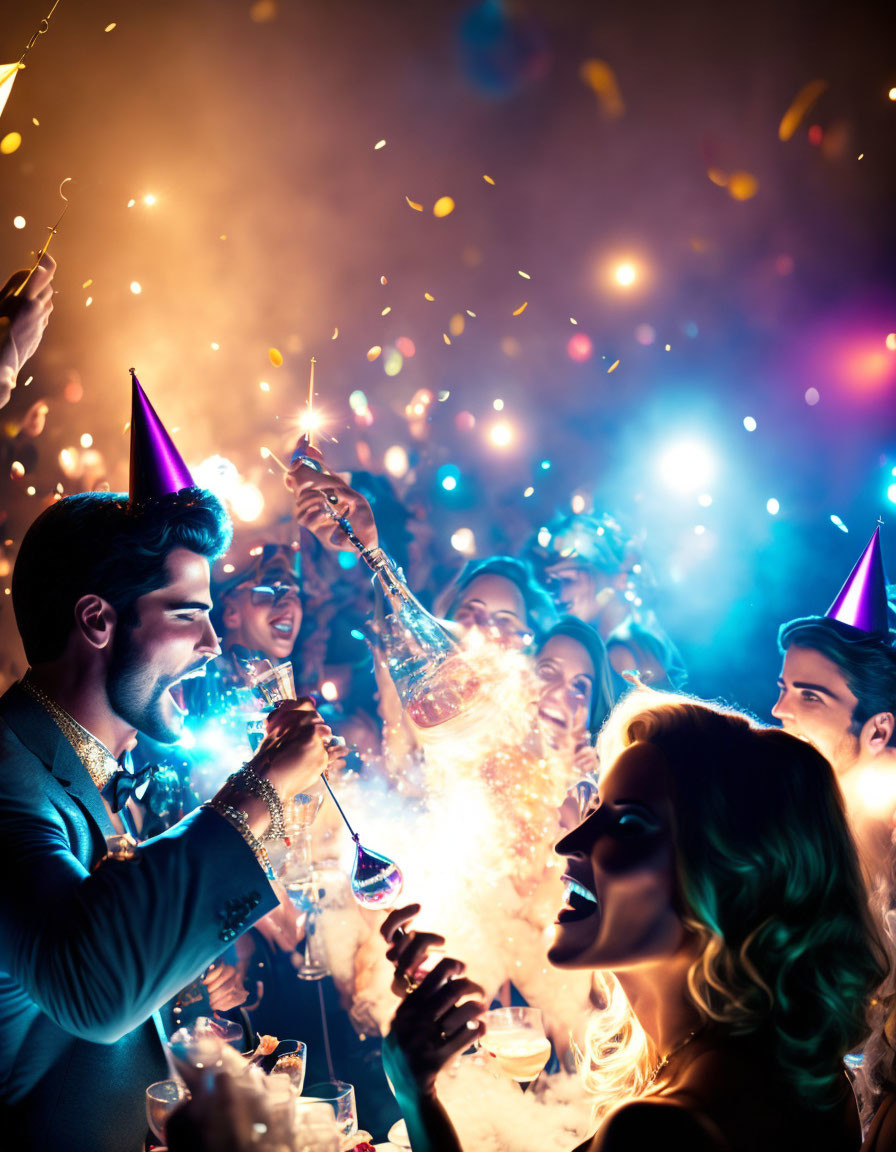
x=862, y=601
x=157, y=467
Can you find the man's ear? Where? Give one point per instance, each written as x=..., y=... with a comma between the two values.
x=95, y=620
x=877, y=732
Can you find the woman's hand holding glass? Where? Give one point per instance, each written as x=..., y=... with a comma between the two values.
x=436, y=1020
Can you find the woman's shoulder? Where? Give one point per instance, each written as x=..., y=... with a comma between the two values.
x=657, y=1123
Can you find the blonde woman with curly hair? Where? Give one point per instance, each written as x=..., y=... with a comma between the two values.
x=715, y=892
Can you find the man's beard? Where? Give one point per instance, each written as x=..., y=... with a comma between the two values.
x=135, y=696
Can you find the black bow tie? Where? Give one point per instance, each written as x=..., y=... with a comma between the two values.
x=127, y=779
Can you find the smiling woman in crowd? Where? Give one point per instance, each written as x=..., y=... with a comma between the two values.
x=715, y=893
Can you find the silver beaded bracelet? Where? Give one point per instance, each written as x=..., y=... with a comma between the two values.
x=248, y=779
x=240, y=821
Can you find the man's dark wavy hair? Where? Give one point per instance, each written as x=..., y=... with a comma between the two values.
x=97, y=543
x=868, y=662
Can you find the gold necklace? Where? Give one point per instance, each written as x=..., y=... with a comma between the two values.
x=672, y=1052
x=92, y=753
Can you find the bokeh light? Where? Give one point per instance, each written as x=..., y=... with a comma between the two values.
x=501, y=434
x=686, y=465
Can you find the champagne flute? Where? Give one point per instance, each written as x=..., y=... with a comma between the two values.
x=515, y=1040
x=161, y=1100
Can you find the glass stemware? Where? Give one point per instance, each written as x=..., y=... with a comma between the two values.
x=515, y=1040
x=161, y=1100
x=340, y=1097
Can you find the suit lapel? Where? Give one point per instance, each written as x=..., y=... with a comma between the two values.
x=40, y=733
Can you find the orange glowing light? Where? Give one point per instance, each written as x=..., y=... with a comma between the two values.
x=10, y=143
x=428, y=296
x=522, y=308
x=413, y=204
x=802, y=102
x=742, y=186
x=891, y=341
x=444, y=206
x=625, y=274
x=275, y=356
x=601, y=79
x=488, y=180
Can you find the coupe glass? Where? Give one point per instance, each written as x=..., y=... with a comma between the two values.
x=515, y=1039
x=161, y=1100
x=340, y=1097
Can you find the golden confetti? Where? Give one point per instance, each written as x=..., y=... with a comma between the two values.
x=469, y=313
x=275, y=356
x=88, y=301
x=525, y=275
x=35, y=122
x=444, y=206
x=601, y=79
x=87, y=283
x=383, y=281
x=109, y=27
x=379, y=144
x=386, y=310
x=488, y=180
x=428, y=296
x=263, y=11
x=613, y=367
x=446, y=337
x=742, y=186
x=413, y=204
x=802, y=102
x=373, y=353
x=335, y=333
x=522, y=308
x=573, y=320
x=10, y=143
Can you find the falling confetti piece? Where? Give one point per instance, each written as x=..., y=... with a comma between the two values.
x=522, y=308
x=573, y=320
x=444, y=206
x=335, y=333
x=413, y=204
x=613, y=367
x=88, y=301
x=87, y=283
x=275, y=356
x=386, y=311
x=373, y=353
x=443, y=396
x=488, y=180
x=10, y=143
x=35, y=122
x=383, y=281
x=131, y=203
x=742, y=186
x=469, y=313
x=379, y=144
x=528, y=492
x=110, y=27
x=601, y=79
x=446, y=337
x=428, y=296
x=802, y=102
x=525, y=275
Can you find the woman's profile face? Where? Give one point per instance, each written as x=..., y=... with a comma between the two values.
x=495, y=606
x=565, y=673
x=620, y=872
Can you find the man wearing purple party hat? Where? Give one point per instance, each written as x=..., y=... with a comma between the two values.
x=111, y=597
x=837, y=688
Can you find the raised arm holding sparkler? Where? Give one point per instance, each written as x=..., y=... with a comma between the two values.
x=26, y=301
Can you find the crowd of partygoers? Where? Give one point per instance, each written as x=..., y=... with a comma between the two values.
x=292, y=861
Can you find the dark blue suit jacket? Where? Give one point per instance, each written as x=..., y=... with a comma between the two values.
x=87, y=956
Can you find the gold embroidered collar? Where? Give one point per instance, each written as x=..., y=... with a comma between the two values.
x=93, y=753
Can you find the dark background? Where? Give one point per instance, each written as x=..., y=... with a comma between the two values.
x=258, y=122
